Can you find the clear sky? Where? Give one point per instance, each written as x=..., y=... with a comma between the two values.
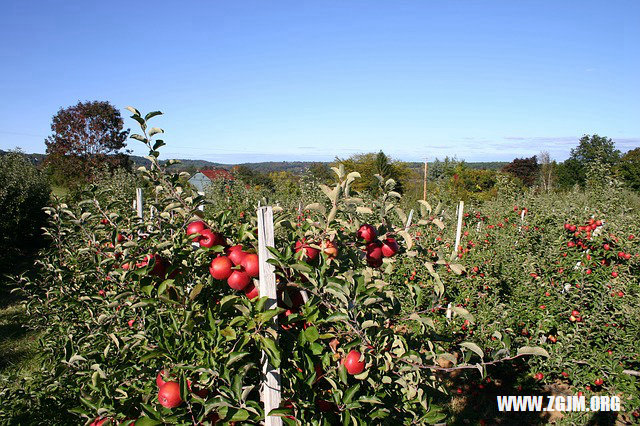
x=310, y=80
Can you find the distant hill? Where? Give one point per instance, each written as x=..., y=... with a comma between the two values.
x=296, y=167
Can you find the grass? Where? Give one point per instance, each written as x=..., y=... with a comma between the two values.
x=59, y=191
x=18, y=346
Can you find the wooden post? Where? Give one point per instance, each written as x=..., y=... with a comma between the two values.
x=201, y=207
x=459, y=229
x=424, y=188
x=139, y=202
x=406, y=227
x=271, y=376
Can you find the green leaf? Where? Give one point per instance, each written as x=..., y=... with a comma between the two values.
x=337, y=317
x=153, y=354
x=342, y=373
x=473, y=347
x=151, y=115
x=236, y=356
x=311, y=334
x=146, y=421
x=133, y=110
x=348, y=395
x=533, y=350
x=270, y=347
x=158, y=144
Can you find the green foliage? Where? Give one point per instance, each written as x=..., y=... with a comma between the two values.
x=371, y=164
x=591, y=149
x=252, y=177
x=121, y=298
x=24, y=192
x=629, y=169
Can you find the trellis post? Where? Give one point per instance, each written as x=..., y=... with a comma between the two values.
x=270, y=390
x=459, y=229
x=139, y=202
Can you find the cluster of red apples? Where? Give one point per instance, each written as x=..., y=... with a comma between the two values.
x=375, y=249
x=236, y=266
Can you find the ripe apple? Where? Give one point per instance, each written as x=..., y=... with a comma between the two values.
x=251, y=291
x=374, y=254
x=220, y=268
x=389, y=247
x=353, y=364
x=606, y=246
x=614, y=274
x=251, y=264
x=598, y=382
x=162, y=375
x=571, y=244
x=309, y=252
x=196, y=227
x=236, y=254
x=159, y=268
x=330, y=249
x=210, y=239
x=367, y=233
x=169, y=395
x=99, y=421
x=538, y=376
x=238, y=279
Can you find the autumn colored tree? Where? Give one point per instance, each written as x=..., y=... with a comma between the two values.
x=84, y=136
x=526, y=169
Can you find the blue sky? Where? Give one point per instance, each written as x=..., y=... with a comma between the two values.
x=310, y=80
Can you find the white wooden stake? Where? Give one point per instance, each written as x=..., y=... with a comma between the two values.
x=406, y=227
x=201, y=207
x=271, y=376
x=459, y=229
x=139, y=202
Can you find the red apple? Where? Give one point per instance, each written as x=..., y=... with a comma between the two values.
x=196, y=227
x=238, y=279
x=236, y=254
x=367, y=233
x=210, y=239
x=169, y=395
x=251, y=264
x=220, y=268
x=160, y=378
x=389, y=247
x=353, y=364
x=251, y=291
x=309, y=252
